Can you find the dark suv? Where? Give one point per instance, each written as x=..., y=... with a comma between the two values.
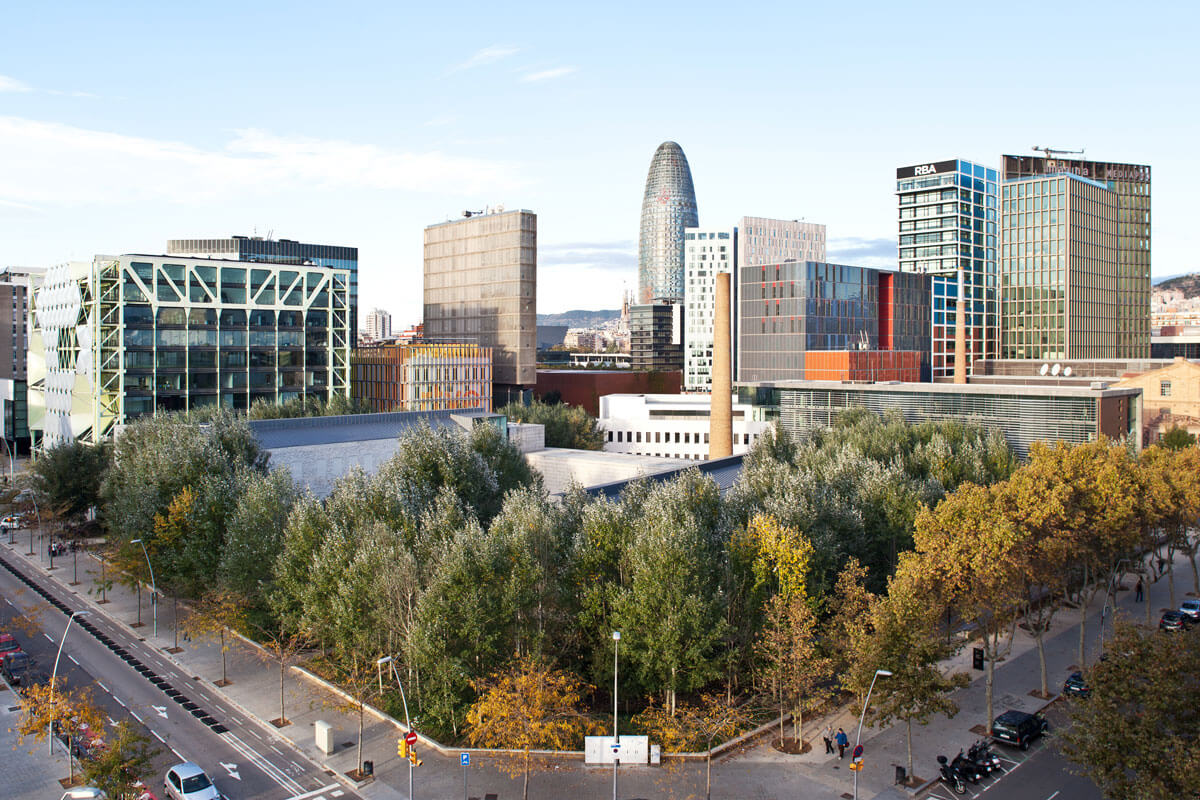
x=1018, y=728
x=1174, y=621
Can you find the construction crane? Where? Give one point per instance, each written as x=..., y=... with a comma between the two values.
x=1052, y=153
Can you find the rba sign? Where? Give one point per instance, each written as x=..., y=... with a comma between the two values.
x=925, y=169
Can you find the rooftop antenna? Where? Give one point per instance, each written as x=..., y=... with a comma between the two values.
x=1054, y=153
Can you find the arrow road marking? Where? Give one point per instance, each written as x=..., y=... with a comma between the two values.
x=162, y=711
x=232, y=770
x=110, y=722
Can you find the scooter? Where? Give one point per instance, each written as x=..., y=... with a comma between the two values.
x=967, y=769
x=950, y=776
x=982, y=756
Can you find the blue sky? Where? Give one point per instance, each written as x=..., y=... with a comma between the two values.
x=125, y=124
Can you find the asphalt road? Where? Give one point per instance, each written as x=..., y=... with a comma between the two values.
x=188, y=720
x=1041, y=774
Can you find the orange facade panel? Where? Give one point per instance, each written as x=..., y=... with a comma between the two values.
x=862, y=365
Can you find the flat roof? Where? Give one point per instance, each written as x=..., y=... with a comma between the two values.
x=725, y=471
x=898, y=387
x=273, y=434
x=475, y=215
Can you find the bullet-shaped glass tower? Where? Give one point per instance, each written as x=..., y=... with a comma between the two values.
x=668, y=207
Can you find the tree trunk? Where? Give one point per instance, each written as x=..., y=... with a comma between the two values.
x=781, y=721
x=989, y=664
x=798, y=725
x=282, y=673
x=1083, y=609
x=525, y=787
x=1171, y=576
x=908, y=737
x=223, y=679
x=358, y=767
x=1041, y=649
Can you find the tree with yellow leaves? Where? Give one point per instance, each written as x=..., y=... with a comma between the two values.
x=71, y=712
x=783, y=556
x=694, y=726
x=217, y=613
x=528, y=706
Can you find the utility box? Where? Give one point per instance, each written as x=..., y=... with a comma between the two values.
x=324, y=735
x=656, y=754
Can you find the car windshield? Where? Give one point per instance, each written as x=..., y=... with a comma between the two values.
x=1004, y=727
x=8, y=646
x=196, y=783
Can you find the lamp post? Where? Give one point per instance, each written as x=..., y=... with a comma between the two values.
x=10, y=458
x=392, y=666
x=153, y=588
x=878, y=674
x=616, y=734
x=54, y=676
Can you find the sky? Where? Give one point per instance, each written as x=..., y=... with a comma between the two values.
x=126, y=124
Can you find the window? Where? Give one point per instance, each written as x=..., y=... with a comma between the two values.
x=1164, y=389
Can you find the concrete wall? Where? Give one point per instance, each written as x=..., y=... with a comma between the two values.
x=558, y=466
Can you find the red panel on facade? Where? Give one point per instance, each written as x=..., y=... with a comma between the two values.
x=585, y=387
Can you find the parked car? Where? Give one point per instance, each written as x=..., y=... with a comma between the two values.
x=10, y=523
x=187, y=781
x=1190, y=608
x=1174, y=621
x=1018, y=728
x=15, y=667
x=8, y=644
x=1076, y=686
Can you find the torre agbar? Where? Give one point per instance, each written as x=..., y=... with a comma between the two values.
x=668, y=207
x=127, y=336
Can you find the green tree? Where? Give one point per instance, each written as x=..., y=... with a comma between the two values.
x=566, y=425
x=254, y=536
x=67, y=477
x=901, y=636
x=671, y=616
x=118, y=768
x=714, y=717
x=969, y=557
x=1138, y=734
x=1177, y=438
x=791, y=659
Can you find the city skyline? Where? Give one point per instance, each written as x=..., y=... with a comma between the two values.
x=368, y=144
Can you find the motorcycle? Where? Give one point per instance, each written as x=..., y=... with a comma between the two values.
x=950, y=776
x=982, y=756
x=966, y=768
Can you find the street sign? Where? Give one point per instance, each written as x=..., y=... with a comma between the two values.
x=411, y=737
x=858, y=751
x=465, y=758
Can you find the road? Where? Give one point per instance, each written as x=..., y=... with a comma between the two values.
x=191, y=722
x=1042, y=774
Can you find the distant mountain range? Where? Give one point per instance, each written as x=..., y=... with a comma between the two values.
x=578, y=318
x=1188, y=284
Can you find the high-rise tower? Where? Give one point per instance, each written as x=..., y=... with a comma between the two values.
x=668, y=207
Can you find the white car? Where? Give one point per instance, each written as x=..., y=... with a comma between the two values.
x=1190, y=608
x=10, y=524
x=187, y=781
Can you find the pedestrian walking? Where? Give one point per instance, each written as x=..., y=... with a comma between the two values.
x=843, y=741
x=1162, y=566
x=1138, y=591
x=827, y=734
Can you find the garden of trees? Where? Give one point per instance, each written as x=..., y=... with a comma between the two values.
x=860, y=547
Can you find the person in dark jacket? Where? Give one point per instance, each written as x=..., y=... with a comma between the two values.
x=843, y=741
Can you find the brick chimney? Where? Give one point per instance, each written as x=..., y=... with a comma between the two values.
x=720, y=417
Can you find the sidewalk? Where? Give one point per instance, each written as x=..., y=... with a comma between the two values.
x=27, y=770
x=756, y=772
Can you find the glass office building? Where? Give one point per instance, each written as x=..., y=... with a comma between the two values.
x=1058, y=269
x=277, y=251
x=668, y=207
x=1131, y=183
x=790, y=309
x=947, y=227
x=127, y=336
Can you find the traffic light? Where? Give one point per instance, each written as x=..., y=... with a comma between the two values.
x=402, y=748
x=856, y=765
x=412, y=758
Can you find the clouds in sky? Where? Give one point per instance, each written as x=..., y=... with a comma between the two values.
x=8, y=84
x=547, y=74
x=612, y=256
x=869, y=252
x=487, y=55
x=64, y=165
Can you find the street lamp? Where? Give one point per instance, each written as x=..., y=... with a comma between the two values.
x=53, y=677
x=878, y=674
x=153, y=589
x=392, y=666
x=8, y=450
x=616, y=734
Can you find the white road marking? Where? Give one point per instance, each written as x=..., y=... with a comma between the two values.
x=1051, y=797
x=336, y=792
x=102, y=686
x=134, y=714
x=10, y=602
x=273, y=772
x=161, y=711
x=297, y=766
x=48, y=638
x=178, y=754
x=232, y=770
x=73, y=661
x=276, y=749
x=156, y=736
x=121, y=704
